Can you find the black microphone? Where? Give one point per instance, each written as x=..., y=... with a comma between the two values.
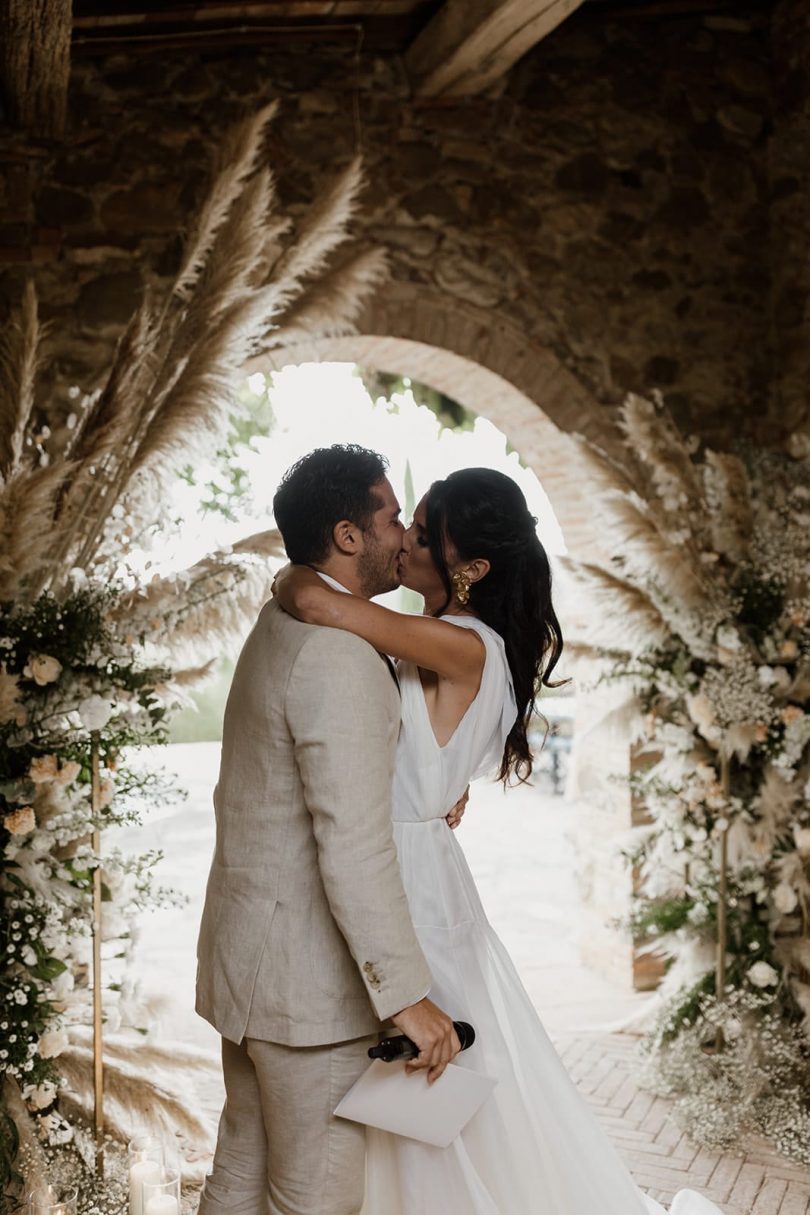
x=400, y=1047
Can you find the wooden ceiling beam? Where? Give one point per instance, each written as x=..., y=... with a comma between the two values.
x=470, y=44
x=35, y=63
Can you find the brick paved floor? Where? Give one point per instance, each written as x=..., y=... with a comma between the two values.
x=662, y=1160
x=520, y=852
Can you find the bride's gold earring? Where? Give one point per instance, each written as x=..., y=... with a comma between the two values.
x=461, y=585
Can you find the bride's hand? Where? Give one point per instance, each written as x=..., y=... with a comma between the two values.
x=293, y=586
x=454, y=817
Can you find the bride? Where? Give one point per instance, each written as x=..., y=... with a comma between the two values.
x=470, y=670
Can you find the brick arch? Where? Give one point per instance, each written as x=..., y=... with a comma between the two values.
x=490, y=367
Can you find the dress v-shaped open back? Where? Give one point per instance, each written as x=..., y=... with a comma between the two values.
x=535, y=1147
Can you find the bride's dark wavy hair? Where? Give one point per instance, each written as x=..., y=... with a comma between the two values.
x=483, y=513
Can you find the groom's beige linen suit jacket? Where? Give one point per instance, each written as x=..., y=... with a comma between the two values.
x=306, y=937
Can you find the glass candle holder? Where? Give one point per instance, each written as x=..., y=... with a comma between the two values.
x=162, y=1197
x=144, y=1163
x=54, y=1200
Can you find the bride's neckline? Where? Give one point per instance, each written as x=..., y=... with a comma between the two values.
x=456, y=617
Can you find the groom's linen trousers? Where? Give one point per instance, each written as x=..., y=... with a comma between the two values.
x=279, y=1149
x=306, y=944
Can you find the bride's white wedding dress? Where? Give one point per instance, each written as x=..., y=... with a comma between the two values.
x=535, y=1147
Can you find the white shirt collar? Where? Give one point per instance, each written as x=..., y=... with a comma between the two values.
x=333, y=582
x=340, y=587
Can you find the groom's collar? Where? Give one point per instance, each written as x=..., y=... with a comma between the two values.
x=333, y=582
x=340, y=587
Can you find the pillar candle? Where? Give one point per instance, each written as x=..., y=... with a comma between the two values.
x=139, y=1172
x=161, y=1204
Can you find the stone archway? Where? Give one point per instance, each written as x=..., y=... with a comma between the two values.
x=490, y=367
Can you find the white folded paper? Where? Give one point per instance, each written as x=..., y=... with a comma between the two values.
x=388, y=1097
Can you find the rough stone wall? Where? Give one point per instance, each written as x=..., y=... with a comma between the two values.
x=789, y=243
x=612, y=203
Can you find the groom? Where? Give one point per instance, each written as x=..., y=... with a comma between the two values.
x=306, y=944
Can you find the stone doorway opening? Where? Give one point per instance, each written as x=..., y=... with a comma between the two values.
x=497, y=372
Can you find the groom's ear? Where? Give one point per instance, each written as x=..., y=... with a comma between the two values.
x=346, y=537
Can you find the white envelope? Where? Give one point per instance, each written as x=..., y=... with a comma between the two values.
x=387, y=1097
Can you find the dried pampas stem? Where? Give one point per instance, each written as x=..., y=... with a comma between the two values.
x=237, y=159
x=728, y=492
x=19, y=360
x=262, y=544
x=333, y=307
x=239, y=291
x=139, y=1097
x=324, y=228
x=656, y=440
x=620, y=616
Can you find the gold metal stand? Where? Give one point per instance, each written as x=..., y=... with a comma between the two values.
x=722, y=902
x=98, y=1048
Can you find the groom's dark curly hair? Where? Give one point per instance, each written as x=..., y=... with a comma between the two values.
x=325, y=486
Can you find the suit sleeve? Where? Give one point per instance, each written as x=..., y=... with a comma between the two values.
x=343, y=721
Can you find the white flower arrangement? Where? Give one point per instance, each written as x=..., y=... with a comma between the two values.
x=47, y=820
x=711, y=639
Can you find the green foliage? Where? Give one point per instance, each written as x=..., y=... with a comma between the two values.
x=662, y=915
x=203, y=721
x=449, y=412
x=230, y=487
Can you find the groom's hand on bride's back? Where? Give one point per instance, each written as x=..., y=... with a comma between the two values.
x=432, y=1031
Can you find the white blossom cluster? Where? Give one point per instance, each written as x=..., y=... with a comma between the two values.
x=755, y=1083
x=725, y=732
x=47, y=712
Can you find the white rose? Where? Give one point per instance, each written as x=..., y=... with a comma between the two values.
x=112, y=876
x=39, y=1096
x=81, y=950
x=766, y=676
x=801, y=838
x=700, y=710
x=63, y=985
x=20, y=821
x=785, y=898
x=43, y=768
x=29, y=956
x=761, y=974
x=113, y=923
x=95, y=712
x=53, y=1043
x=68, y=772
x=42, y=669
x=732, y=1027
